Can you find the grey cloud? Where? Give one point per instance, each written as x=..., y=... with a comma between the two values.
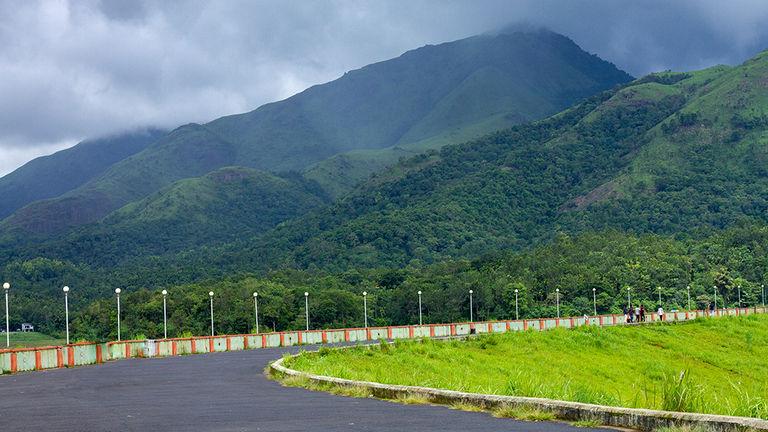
x=76, y=69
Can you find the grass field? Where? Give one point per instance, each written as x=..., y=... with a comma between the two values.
x=30, y=339
x=712, y=366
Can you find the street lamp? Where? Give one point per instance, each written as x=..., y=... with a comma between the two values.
x=715, y=310
x=594, y=299
x=6, y=287
x=66, y=309
x=210, y=295
x=688, y=289
x=365, y=307
x=763, y=289
x=117, y=292
x=517, y=311
x=629, y=298
x=659, y=290
x=165, y=315
x=557, y=295
x=306, y=307
x=471, y=316
x=739, y=290
x=420, y=322
x=256, y=309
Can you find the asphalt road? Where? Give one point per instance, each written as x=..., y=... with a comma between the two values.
x=212, y=392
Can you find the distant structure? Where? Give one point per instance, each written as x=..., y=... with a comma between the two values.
x=27, y=327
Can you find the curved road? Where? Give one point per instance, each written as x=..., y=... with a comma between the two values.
x=212, y=392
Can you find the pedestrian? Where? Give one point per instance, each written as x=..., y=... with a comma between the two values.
x=712, y=309
x=661, y=313
x=637, y=313
x=631, y=315
x=642, y=313
x=626, y=315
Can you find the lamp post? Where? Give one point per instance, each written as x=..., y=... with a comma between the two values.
x=594, y=299
x=629, y=298
x=117, y=293
x=471, y=316
x=739, y=290
x=365, y=308
x=557, y=295
x=165, y=314
x=66, y=309
x=715, y=310
x=517, y=311
x=659, y=290
x=306, y=307
x=420, y=322
x=688, y=290
x=6, y=287
x=256, y=309
x=210, y=295
x=763, y=289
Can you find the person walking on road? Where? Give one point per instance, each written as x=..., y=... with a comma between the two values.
x=642, y=313
x=661, y=313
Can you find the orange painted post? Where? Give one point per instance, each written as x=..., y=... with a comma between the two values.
x=368, y=334
x=98, y=354
x=300, y=338
x=282, y=339
x=174, y=348
x=210, y=344
x=432, y=331
x=571, y=322
x=509, y=326
x=542, y=325
x=245, y=342
x=59, y=358
x=264, y=341
x=389, y=332
x=193, y=345
x=70, y=356
x=525, y=325
x=14, y=362
x=410, y=332
x=229, y=344
x=325, y=337
x=490, y=328
x=453, y=329
x=346, y=335
x=38, y=360
x=600, y=320
x=127, y=350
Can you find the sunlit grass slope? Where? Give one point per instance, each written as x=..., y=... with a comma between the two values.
x=712, y=366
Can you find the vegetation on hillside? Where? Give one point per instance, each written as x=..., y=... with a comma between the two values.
x=716, y=366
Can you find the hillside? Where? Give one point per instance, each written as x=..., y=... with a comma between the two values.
x=462, y=88
x=670, y=153
x=50, y=176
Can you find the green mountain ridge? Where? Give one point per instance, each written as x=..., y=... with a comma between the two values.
x=50, y=176
x=417, y=97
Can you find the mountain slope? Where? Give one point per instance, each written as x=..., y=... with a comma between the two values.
x=416, y=97
x=50, y=176
x=670, y=153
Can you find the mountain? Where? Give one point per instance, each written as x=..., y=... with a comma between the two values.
x=671, y=153
x=452, y=90
x=50, y=176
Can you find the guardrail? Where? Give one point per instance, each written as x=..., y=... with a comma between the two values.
x=86, y=353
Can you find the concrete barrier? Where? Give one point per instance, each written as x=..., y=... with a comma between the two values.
x=633, y=418
x=30, y=359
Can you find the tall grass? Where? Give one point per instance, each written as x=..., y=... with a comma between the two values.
x=712, y=366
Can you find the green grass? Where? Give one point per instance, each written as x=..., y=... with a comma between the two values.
x=30, y=339
x=710, y=366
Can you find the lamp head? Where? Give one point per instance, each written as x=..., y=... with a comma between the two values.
x=117, y=290
x=594, y=289
x=255, y=294
x=419, y=292
x=164, y=292
x=516, y=291
x=365, y=293
x=6, y=286
x=66, y=289
x=470, y=291
x=306, y=294
x=210, y=293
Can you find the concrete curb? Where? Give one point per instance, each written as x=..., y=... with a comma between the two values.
x=634, y=418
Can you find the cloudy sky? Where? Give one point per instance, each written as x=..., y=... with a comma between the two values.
x=84, y=68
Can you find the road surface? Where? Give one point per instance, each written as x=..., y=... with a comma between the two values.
x=212, y=392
